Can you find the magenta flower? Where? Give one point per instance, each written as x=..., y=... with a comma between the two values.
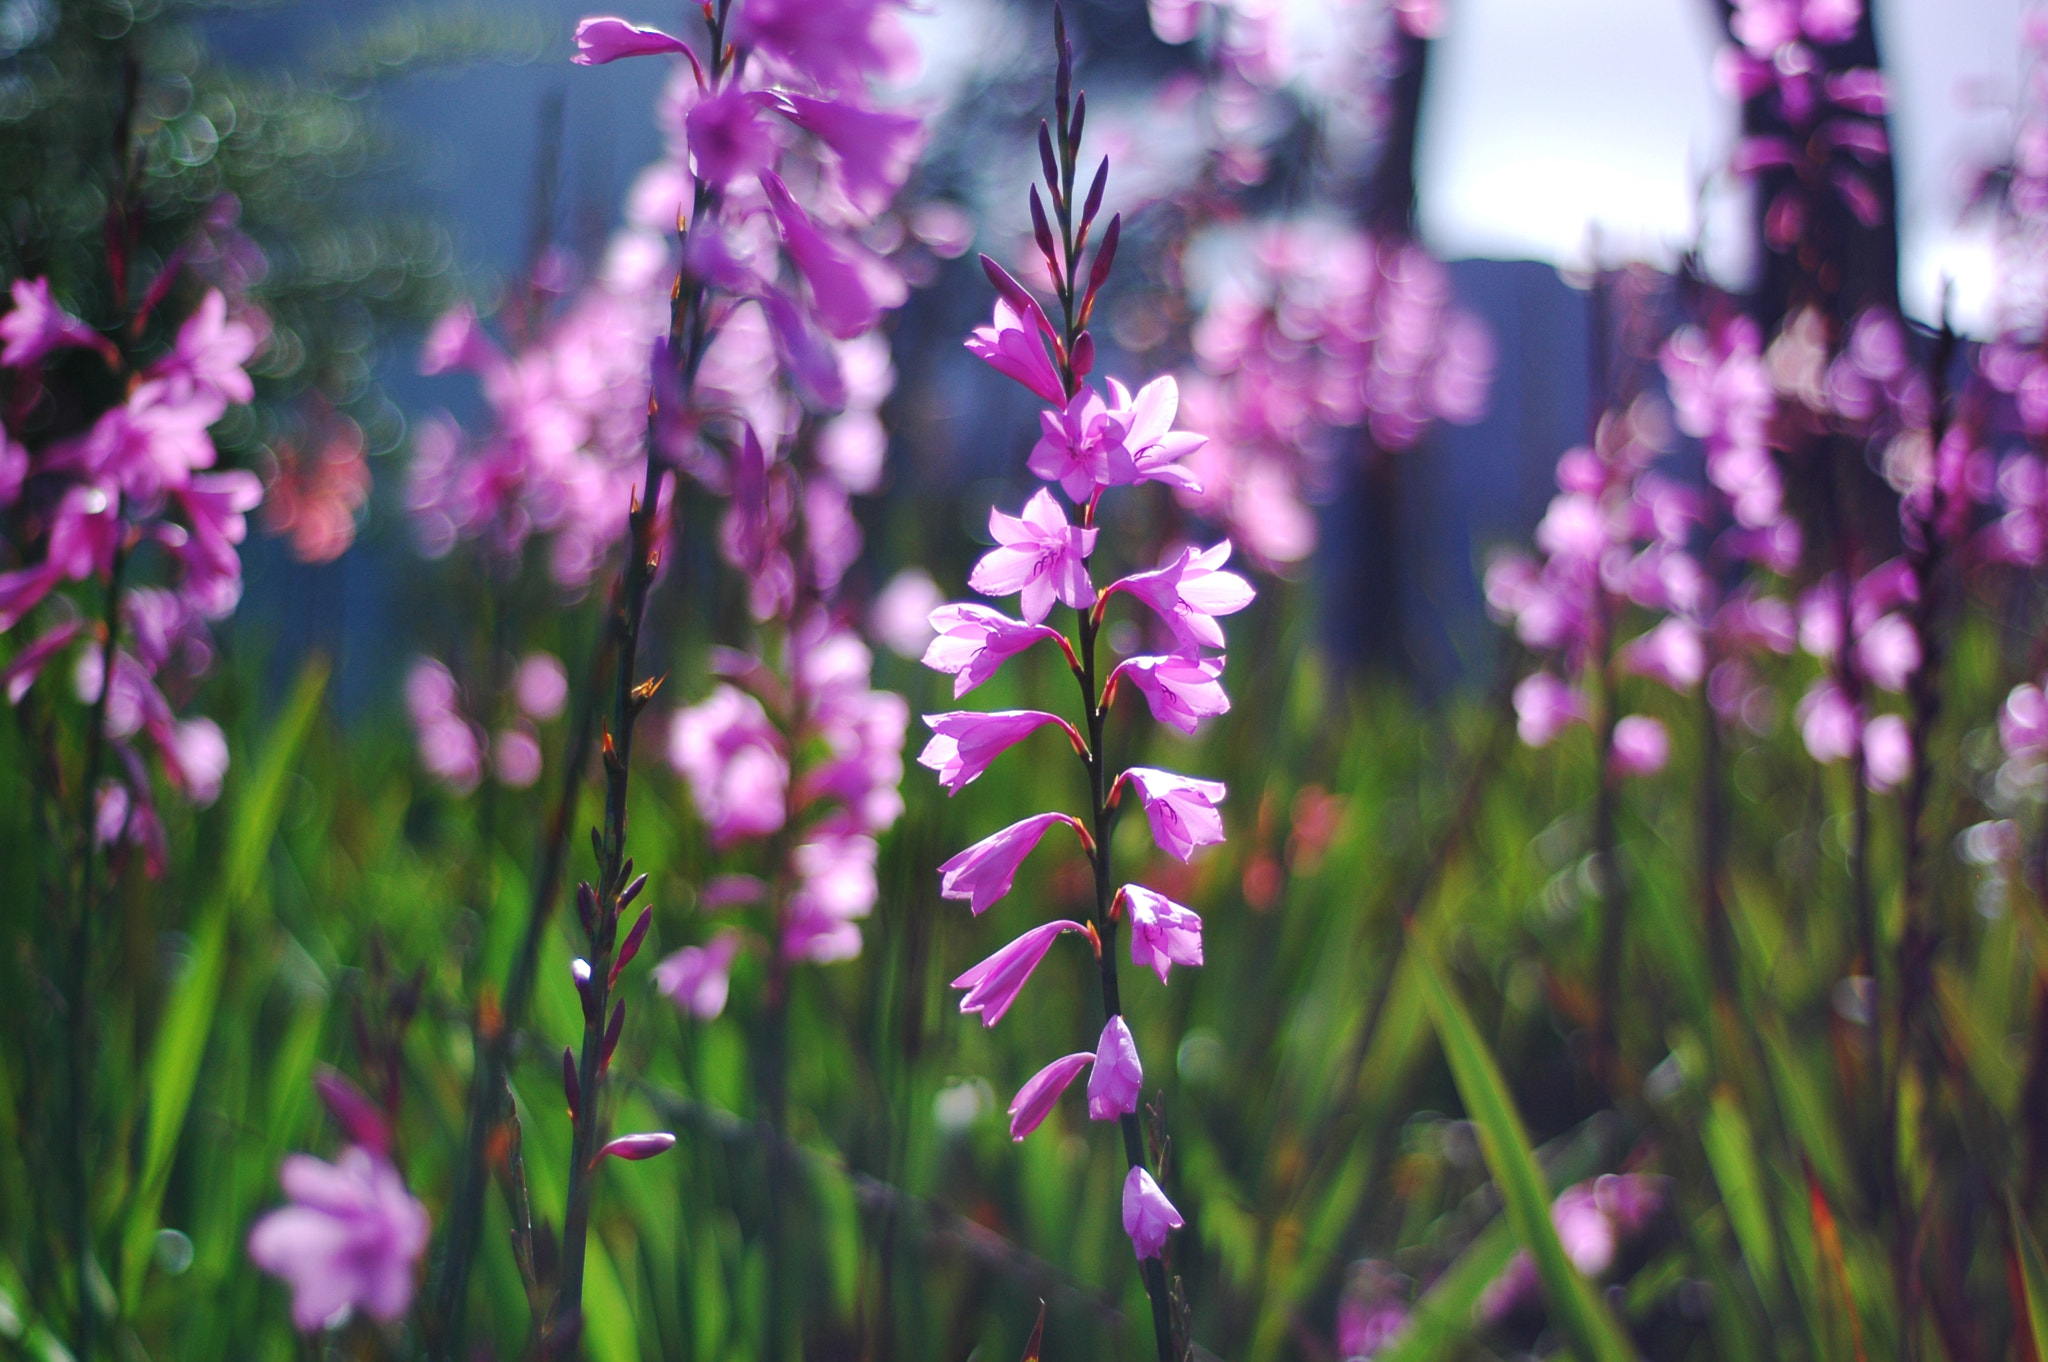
x=1114, y=1085
x=974, y=641
x=1182, y=691
x=644, y=1145
x=728, y=137
x=733, y=759
x=1887, y=752
x=1148, y=1216
x=349, y=1239
x=876, y=148
x=1075, y=447
x=1673, y=653
x=1150, y=450
x=1036, y=1099
x=964, y=742
x=37, y=325
x=1011, y=345
x=1189, y=592
x=1181, y=809
x=1641, y=746
x=994, y=984
x=1545, y=707
x=206, y=361
x=837, y=43
x=601, y=40
x=1829, y=723
x=1038, y=555
x=1163, y=933
x=850, y=285
x=696, y=978
x=983, y=873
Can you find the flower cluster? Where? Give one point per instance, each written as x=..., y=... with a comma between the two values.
x=131, y=500
x=1325, y=328
x=453, y=747
x=1091, y=441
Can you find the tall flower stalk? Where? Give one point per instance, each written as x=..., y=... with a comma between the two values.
x=1089, y=445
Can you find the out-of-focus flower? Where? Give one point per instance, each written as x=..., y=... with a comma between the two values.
x=734, y=760
x=350, y=1239
x=1545, y=707
x=696, y=978
x=902, y=616
x=1641, y=746
x=37, y=325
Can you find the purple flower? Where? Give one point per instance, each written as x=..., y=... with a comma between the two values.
x=1038, y=555
x=1181, y=809
x=1163, y=933
x=1189, y=592
x=206, y=362
x=1544, y=708
x=1035, y=1100
x=836, y=887
x=1672, y=653
x=850, y=285
x=994, y=984
x=837, y=43
x=733, y=758
x=974, y=641
x=1641, y=746
x=350, y=1238
x=1074, y=448
x=1114, y=1085
x=1887, y=752
x=1012, y=346
x=1828, y=721
x=644, y=1145
x=876, y=148
x=1182, y=691
x=728, y=137
x=1150, y=450
x=696, y=978
x=601, y=40
x=983, y=873
x=964, y=742
x=36, y=326
x=1148, y=1216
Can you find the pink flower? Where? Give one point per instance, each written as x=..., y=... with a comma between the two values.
x=1181, y=809
x=994, y=984
x=974, y=641
x=836, y=887
x=350, y=1238
x=728, y=137
x=1038, y=555
x=1828, y=722
x=904, y=615
x=208, y=357
x=983, y=873
x=733, y=758
x=1887, y=752
x=1150, y=450
x=601, y=40
x=837, y=43
x=27, y=665
x=876, y=148
x=1544, y=707
x=541, y=686
x=1074, y=448
x=1036, y=1099
x=644, y=1145
x=1118, y=1077
x=516, y=755
x=1888, y=652
x=1641, y=746
x=1148, y=1216
x=1163, y=933
x=1672, y=653
x=458, y=341
x=36, y=326
x=850, y=285
x=1012, y=346
x=696, y=978
x=1189, y=592
x=1182, y=691
x=964, y=742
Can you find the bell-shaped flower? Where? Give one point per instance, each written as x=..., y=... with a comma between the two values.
x=1181, y=809
x=850, y=285
x=1114, y=1085
x=974, y=641
x=1038, y=555
x=349, y=1239
x=696, y=978
x=1189, y=592
x=964, y=742
x=1182, y=691
x=1150, y=450
x=1163, y=933
x=876, y=148
x=994, y=984
x=983, y=873
x=1076, y=444
x=603, y=39
x=36, y=325
x=728, y=137
x=839, y=44
x=1012, y=345
x=1148, y=1216
x=1035, y=1100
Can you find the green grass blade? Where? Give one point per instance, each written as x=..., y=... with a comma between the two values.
x=2033, y=1278
x=1580, y=1312
x=1732, y=1156
x=1443, y=1318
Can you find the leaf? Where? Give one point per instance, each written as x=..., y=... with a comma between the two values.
x=2033, y=1280
x=1732, y=1156
x=1443, y=1318
x=188, y=1015
x=1573, y=1303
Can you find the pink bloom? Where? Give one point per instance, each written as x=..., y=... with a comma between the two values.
x=644, y=1145
x=696, y=978
x=458, y=341
x=1641, y=746
x=350, y=1238
x=837, y=43
x=1012, y=346
x=1544, y=707
x=197, y=759
x=541, y=686
x=1038, y=555
x=964, y=742
x=1036, y=1099
x=904, y=612
x=994, y=984
x=1151, y=450
x=208, y=357
x=36, y=326
x=836, y=887
x=1672, y=653
x=876, y=148
x=1182, y=691
x=27, y=665
x=850, y=285
x=1118, y=1077
x=1181, y=809
x=1148, y=1216
x=13, y=470
x=983, y=873
x=733, y=758
x=1163, y=933
x=1074, y=447
x=1189, y=592
x=728, y=137
x=974, y=641
x=516, y=755
x=601, y=40
x=1888, y=652
x=1828, y=723
x=1887, y=752
x=450, y=748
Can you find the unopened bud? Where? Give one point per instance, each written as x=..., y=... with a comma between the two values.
x=571, y=1089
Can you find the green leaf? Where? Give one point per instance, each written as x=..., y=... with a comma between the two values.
x=2033, y=1278
x=1443, y=1317
x=1732, y=1155
x=1574, y=1305
x=188, y=1015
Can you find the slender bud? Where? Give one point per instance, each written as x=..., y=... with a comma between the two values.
x=353, y=1111
x=1042, y=230
x=579, y=970
x=1048, y=162
x=611, y=1035
x=630, y=947
x=597, y=844
x=572, y=1089
x=644, y=1146
x=1105, y=255
x=632, y=891
x=1074, y=127
x=1093, y=203
x=586, y=907
x=1084, y=355
x=1063, y=80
